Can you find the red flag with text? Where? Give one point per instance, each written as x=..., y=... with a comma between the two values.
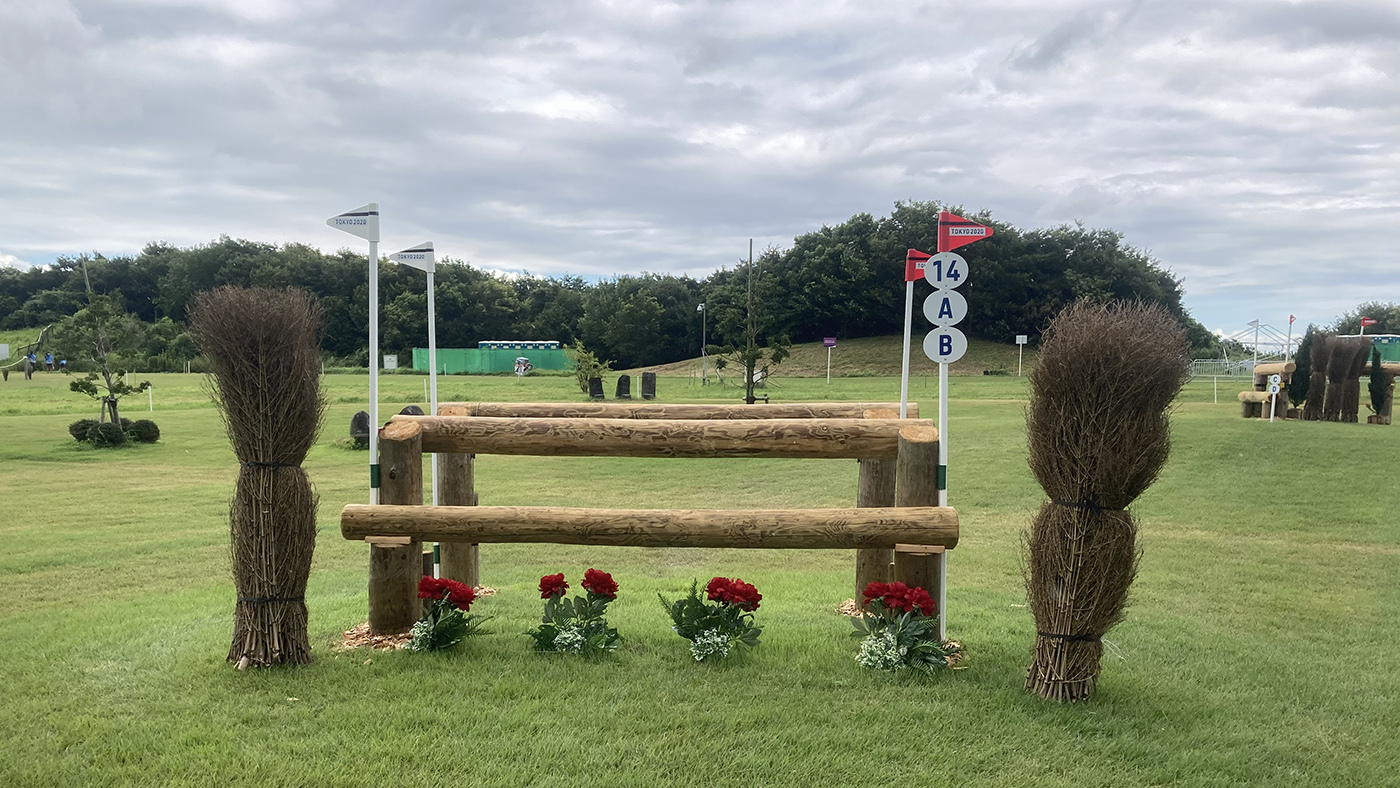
x=914, y=264
x=955, y=231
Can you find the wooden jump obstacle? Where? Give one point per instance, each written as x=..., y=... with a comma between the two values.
x=900, y=538
x=1254, y=404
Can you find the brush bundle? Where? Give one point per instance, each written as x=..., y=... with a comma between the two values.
x=1097, y=430
x=262, y=348
x=1319, y=354
x=1351, y=394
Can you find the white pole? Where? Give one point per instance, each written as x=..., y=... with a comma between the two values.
x=151, y=396
x=374, y=372
x=942, y=601
x=828, y=366
x=908, y=327
x=1020, y=351
x=704, y=376
x=1256, y=342
x=432, y=374
x=1273, y=405
x=1215, y=382
x=1288, y=349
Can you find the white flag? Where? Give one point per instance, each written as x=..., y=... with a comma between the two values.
x=363, y=222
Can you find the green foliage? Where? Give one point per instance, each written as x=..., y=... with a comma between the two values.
x=100, y=332
x=576, y=626
x=1386, y=315
x=106, y=435
x=80, y=428
x=143, y=431
x=892, y=641
x=713, y=629
x=1378, y=384
x=586, y=364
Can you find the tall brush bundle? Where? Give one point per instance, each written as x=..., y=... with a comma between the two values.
x=1097, y=429
x=1351, y=394
x=1338, y=366
x=1319, y=355
x=262, y=348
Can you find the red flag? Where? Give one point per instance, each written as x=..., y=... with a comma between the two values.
x=1291, y=319
x=1368, y=321
x=914, y=264
x=955, y=231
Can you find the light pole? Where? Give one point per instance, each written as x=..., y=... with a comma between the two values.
x=704, y=375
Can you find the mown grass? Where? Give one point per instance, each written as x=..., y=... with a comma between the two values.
x=1258, y=650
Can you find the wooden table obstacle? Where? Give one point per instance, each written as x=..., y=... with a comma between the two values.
x=910, y=531
x=1254, y=404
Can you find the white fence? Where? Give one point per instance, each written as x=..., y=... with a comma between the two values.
x=1211, y=368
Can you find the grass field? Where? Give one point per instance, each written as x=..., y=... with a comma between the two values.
x=1259, y=648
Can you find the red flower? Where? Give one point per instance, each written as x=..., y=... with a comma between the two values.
x=743, y=595
x=875, y=591
x=733, y=592
x=430, y=588
x=920, y=601
x=717, y=589
x=460, y=595
x=600, y=583
x=553, y=585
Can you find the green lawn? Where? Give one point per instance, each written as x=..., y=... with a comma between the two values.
x=1258, y=650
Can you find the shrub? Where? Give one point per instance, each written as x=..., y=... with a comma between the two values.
x=126, y=424
x=143, y=431
x=80, y=428
x=106, y=435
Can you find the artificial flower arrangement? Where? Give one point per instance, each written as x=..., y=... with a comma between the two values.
x=445, y=621
x=577, y=626
x=715, y=629
x=900, y=629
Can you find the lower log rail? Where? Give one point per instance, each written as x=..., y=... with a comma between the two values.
x=661, y=410
x=882, y=527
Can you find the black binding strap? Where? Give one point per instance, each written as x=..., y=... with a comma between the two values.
x=263, y=600
x=1090, y=505
x=1057, y=636
x=256, y=464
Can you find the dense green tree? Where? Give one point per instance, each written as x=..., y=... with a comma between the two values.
x=105, y=334
x=1386, y=315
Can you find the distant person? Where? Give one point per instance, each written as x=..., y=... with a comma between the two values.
x=48, y=361
x=63, y=365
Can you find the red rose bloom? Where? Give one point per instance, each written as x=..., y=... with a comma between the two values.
x=600, y=583
x=717, y=589
x=430, y=588
x=459, y=594
x=553, y=585
x=875, y=591
x=743, y=595
x=919, y=600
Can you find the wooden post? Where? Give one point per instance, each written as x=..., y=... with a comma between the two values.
x=916, y=484
x=875, y=487
x=459, y=560
x=394, y=570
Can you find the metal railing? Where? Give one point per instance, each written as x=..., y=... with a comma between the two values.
x=1208, y=368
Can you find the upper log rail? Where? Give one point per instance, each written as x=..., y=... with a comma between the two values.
x=564, y=437
x=882, y=527
x=657, y=410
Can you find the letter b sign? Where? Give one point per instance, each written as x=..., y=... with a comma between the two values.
x=945, y=345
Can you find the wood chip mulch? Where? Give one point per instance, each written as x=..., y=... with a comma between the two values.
x=359, y=636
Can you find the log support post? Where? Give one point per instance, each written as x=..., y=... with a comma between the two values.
x=876, y=488
x=395, y=566
x=460, y=561
x=916, y=484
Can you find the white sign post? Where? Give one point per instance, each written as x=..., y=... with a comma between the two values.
x=424, y=259
x=363, y=222
x=1020, y=349
x=1274, y=381
x=829, y=342
x=945, y=344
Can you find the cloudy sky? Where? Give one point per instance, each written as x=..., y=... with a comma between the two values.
x=1251, y=145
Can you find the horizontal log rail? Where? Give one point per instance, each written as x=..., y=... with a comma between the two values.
x=1257, y=396
x=657, y=410
x=1276, y=368
x=760, y=528
x=562, y=437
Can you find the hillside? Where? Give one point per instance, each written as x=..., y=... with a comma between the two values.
x=874, y=356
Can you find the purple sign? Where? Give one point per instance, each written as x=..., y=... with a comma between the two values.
x=828, y=341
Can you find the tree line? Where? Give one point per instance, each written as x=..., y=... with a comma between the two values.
x=844, y=281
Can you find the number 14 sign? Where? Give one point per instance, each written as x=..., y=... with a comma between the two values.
x=945, y=307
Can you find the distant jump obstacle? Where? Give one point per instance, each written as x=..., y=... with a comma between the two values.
x=896, y=527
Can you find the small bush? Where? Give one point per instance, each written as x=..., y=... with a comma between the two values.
x=143, y=431
x=106, y=435
x=126, y=424
x=79, y=429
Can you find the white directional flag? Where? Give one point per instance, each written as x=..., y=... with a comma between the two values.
x=420, y=256
x=362, y=222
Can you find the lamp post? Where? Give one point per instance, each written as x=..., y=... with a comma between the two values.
x=704, y=375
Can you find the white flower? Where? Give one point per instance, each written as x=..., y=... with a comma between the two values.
x=420, y=637
x=569, y=639
x=880, y=651
x=709, y=643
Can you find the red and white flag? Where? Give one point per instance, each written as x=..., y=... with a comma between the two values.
x=914, y=264
x=1291, y=319
x=955, y=231
x=1368, y=321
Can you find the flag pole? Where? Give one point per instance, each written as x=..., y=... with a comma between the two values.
x=374, y=372
x=908, y=328
x=432, y=374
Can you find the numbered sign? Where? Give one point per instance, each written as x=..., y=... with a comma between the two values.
x=945, y=307
x=946, y=269
x=1273, y=387
x=945, y=345
x=1275, y=378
